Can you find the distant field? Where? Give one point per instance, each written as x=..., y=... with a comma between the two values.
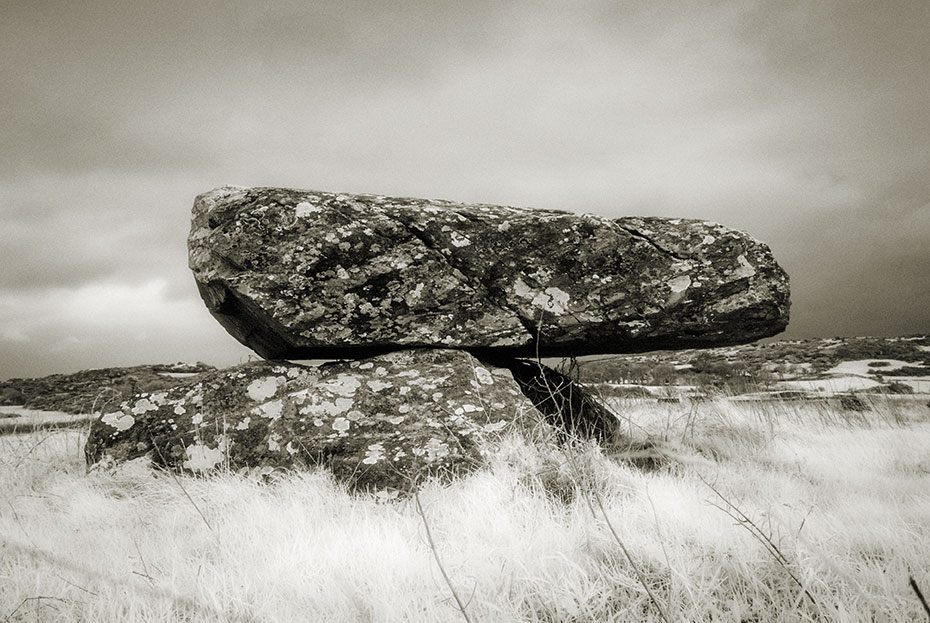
x=766, y=511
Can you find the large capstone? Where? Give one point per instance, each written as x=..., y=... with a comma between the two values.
x=381, y=423
x=306, y=274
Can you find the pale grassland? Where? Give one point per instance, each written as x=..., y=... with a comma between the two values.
x=844, y=498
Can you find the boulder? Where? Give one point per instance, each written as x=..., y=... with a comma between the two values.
x=301, y=274
x=385, y=422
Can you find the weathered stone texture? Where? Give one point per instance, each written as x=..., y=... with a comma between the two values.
x=384, y=422
x=306, y=274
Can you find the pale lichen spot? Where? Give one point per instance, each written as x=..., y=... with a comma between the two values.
x=376, y=385
x=373, y=454
x=342, y=385
x=318, y=407
x=159, y=398
x=459, y=240
x=201, y=458
x=197, y=419
x=118, y=420
x=679, y=284
x=244, y=424
x=305, y=208
x=396, y=419
x=274, y=442
x=496, y=426
x=745, y=268
x=403, y=408
x=179, y=409
x=366, y=366
x=291, y=448
x=271, y=410
x=414, y=295
x=521, y=289
x=552, y=299
x=435, y=450
x=264, y=388
x=341, y=424
x=484, y=376
x=708, y=239
x=142, y=406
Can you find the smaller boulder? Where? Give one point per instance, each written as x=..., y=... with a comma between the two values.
x=381, y=423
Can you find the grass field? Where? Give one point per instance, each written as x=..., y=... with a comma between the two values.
x=783, y=511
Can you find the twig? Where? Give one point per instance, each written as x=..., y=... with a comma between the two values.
x=183, y=490
x=920, y=595
x=743, y=520
x=432, y=546
x=587, y=495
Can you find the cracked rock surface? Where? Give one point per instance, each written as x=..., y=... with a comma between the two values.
x=301, y=274
x=382, y=423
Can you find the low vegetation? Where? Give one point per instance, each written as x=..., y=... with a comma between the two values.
x=760, y=511
x=93, y=390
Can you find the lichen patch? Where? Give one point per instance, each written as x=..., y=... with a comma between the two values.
x=201, y=458
x=118, y=420
x=679, y=284
x=745, y=268
x=262, y=389
x=484, y=376
x=271, y=410
x=342, y=385
x=142, y=406
x=305, y=208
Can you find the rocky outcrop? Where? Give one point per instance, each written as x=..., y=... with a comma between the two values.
x=384, y=422
x=93, y=390
x=306, y=274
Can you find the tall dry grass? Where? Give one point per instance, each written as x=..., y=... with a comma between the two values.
x=764, y=512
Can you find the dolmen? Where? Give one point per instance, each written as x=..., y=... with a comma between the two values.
x=437, y=315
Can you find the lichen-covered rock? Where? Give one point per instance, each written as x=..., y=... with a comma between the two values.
x=383, y=423
x=304, y=274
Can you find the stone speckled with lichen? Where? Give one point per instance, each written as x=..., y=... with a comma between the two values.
x=380, y=423
x=304, y=274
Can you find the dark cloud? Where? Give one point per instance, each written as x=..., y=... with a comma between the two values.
x=804, y=124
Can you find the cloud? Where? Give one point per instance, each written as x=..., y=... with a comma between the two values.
x=106, y=324
x=803, y=124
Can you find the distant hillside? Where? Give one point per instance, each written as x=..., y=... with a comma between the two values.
x=745, y=368
x=736, y=370
x=89, y=390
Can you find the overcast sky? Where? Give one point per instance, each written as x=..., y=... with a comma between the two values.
x=806, y=124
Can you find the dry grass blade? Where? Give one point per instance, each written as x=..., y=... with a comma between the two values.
x=442, y=570
x=183, y=490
